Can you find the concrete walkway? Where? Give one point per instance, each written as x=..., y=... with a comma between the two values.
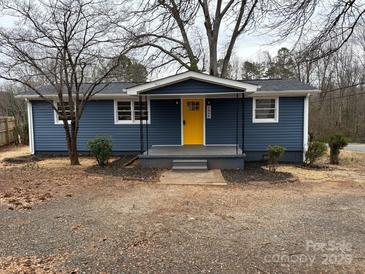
x=211, y=177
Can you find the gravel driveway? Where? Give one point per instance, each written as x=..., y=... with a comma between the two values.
x=61, y=219
x=125, y=227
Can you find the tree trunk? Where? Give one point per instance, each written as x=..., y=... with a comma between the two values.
x=334, y=157
x=213, y=62
x=74, y=155
x=71, y=139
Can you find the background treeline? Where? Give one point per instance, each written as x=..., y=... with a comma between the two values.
x=65, y=44
x=340, y=107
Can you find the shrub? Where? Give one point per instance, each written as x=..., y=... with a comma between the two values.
x=275, y=153
x=336, y=142
x=315, y=150
x=101, y=147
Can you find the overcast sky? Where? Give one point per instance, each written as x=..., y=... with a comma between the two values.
x=249, y=47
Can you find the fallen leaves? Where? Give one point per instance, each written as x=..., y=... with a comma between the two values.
x=23, y=198
x=30, y=264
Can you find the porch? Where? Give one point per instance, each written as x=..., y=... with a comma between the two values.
x=193, y=157
x=204, y=124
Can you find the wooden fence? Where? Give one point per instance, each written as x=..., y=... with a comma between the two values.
x=7, y=130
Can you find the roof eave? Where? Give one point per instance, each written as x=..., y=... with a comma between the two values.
x=54, y=96
x=285, y=93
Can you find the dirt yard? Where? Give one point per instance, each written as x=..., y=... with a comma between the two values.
x=58, y=219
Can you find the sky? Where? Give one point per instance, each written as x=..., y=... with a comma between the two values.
x=250, y=47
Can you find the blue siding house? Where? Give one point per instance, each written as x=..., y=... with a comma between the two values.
x=186, y=120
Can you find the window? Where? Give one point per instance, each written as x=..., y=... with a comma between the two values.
x=265, y=110
x=131, y=112
x=124, y=111
x=58, y=113
x=140, y=111
x=193, y=105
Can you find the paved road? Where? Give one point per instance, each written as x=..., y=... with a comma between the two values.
x=356, y=147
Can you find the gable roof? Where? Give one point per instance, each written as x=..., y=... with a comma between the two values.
x=191, y=75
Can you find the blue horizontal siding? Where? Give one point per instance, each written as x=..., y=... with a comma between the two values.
x=221, y=128
x=288, y=157
x=191, y=87
x=98, y=120
x=287, y=132
x=165, y=127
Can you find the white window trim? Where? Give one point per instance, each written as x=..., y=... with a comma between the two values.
x=57, y=121
x=133, y=121
x=274, y=120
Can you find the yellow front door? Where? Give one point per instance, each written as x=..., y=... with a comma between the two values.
x=193, y=121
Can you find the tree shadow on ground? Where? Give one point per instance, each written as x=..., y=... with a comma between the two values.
x=21, y=159
x=255, y=172
x=123, y=167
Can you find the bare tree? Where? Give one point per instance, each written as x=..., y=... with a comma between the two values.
x=175, y=28
x=165, y=29
x=325, y=26
x=243, y=13
x=192, y=33
x=343, y=20
x=59, y=43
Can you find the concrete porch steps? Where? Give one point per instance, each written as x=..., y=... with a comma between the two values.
x=217, y=156
x=212, y=177
x=189, y=164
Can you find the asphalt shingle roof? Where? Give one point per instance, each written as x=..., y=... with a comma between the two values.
x=279, y=84
x=118, y=87
x=105, y=88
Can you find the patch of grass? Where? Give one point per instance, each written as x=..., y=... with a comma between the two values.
x=352, y=159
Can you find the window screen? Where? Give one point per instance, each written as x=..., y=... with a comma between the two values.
x=131, y=111
x=124, y=111
x=265, y=109
x=140, y=111
x=67, y=111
